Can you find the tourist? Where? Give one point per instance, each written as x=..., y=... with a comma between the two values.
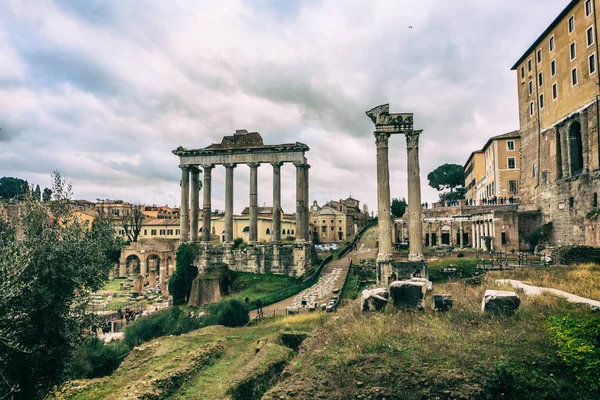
x=247, y=300
x=259, y=306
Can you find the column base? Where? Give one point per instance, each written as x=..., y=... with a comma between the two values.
x=415, y=257
x=384, y=258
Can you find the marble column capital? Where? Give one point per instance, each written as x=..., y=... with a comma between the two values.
x=253, y=165
x=412, y=139
x=382, y=139
x=184, y=167
x=277, y=164
x=301, y=165
x=207, y=168
x=230, y=166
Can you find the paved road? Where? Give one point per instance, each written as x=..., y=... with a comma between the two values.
x=332, y=277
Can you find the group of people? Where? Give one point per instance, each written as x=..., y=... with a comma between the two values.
x=495, y=201
x=258, y=305
x=130, y=315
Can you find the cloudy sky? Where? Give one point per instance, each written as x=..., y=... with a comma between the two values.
x=102, y=91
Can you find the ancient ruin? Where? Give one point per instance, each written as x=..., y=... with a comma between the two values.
x=246, y=148
x=387, y=124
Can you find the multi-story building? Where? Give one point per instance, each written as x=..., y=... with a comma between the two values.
x=559, y=90
x=474, y=172
x=331, y=225
x=501, y=164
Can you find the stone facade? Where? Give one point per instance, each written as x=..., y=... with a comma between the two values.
x=558, y=89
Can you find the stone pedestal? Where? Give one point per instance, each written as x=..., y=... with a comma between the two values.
x=138, y=284
x=500, y=302
x=152, y=278
x=441, y=302
x=303, y=259
x=408, y=294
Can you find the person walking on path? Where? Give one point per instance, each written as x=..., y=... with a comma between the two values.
x=259, y=307
x=247, y=301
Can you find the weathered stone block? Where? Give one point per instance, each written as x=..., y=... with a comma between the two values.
x=374, y=299
x=408, y=294
x=442, y=302
x=428, y=283
x=500, y=302
x=138, y=284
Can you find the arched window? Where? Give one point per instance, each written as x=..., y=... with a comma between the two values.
x=292, y=231
x=268, y=231
x=576, y=148
x=200, y=230
x=246, y=229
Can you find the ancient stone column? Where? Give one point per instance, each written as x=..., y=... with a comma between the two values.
x=184, y=208
x=473, y=235
x=383, y=200
x=206, y=206
x=253, y=234
x=461, y=239
x=305, y=213
x=152, y=264
x=276, y=231
x=229, y=202
x=142, y=267
x=195, y=202
x=123, y=268
x=300, y=199
x=163, y=280
x=414, y=196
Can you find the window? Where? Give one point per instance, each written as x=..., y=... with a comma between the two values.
x=529, y=65
x=177, y=231
x=153, y=232
x=511, y=163
x=571, y=23
x=571, y=202
x=541, y=101
x=530, y=88
x=145, y=232
x=522, y=72
x=553, y=68
x=332, y=228
x=588, y=8
x=592, y=63
x=340, y=229
x=554, y=91
x=540, y=79
x=574, y=76
x=551, y=42
x=340, y=221
x=539, y=56
x=573, y=51
x=590, y=36
x=510, y=145
x=162, y=232
x=531, y=109
x=512, y=186
x=323, y=229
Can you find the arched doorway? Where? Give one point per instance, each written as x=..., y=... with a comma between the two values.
x=576, y=148
x=445, y=235
x=133, y=265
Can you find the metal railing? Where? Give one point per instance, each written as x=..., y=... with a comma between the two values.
x=505, y=260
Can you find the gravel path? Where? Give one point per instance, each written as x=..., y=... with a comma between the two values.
x=537, y=290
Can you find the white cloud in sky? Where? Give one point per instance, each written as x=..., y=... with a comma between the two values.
x=104, y=90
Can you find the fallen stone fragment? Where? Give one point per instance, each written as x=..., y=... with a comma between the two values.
x=500, y=302
x=408, y=295
x=374, y=299
x=441, y=302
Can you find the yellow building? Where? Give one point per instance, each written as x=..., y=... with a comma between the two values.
x=501, y=163
x=331, y=225
x=474, y=172
x=558, y=88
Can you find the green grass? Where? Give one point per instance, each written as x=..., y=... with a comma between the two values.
x=113, y=285
x=465, y=268
x=269, y=288
x=462, y=354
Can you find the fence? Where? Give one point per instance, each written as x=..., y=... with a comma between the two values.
x=505, y=260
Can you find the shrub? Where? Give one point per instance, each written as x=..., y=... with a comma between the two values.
x=93, y=358
x=228, y=312
x=465, y=268
x=579, y=348
x=172, y=321
x=576, y=254
x=237, y=242
x=180, y=282
x=460, y=255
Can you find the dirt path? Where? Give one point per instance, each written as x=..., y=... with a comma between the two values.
x=537, y=290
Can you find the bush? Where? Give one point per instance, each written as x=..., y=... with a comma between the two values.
x=465, y=268
x=228, y=312
x=172, y=321
x=460, y=255
x=579, y=348
x=93, y=358
x=510, y=380
x=180, y=282
x=237, y=242
x=576, y=254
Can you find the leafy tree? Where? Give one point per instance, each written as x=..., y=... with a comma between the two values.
x=48, y=270
x=132, y=222
x=37, y=194
x=457, y=194
x=398, y=207
x=47, y=195
x=180, y=283
x=13, y=188
x=447, y=176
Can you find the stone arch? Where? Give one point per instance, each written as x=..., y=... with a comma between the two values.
x=575, y=148
x=150, y=257
x=133, y=263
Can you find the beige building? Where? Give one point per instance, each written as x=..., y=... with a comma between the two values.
x=501, y=167
x=336, y=220
x=474, y=172
x=559, y=87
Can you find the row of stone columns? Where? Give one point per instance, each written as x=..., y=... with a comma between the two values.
x=193, y=173
x=481, y=229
